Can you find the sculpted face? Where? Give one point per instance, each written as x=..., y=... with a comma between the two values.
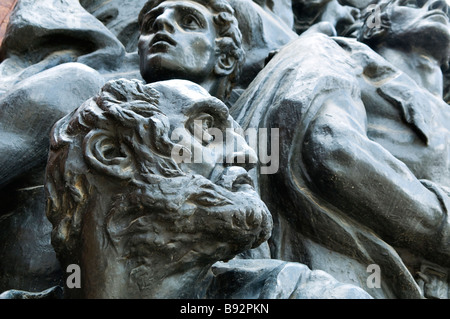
x=424, y=24
x=225, y=212
x=200, y=218
x=177, y=41
x=202, y=125
x=149, y=213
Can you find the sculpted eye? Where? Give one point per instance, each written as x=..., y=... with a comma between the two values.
x=191, y=22
x=202, y=122
x=410, y=3
x=207, y=121
x=199, y=127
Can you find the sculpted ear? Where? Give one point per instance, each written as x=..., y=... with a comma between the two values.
x=104, y=153
x=225, y=65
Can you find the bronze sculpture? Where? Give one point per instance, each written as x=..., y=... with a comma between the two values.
x=359, y=150
x=361, y=124
x=137, y=224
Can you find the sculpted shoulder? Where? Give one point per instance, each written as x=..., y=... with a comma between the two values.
x=403, y=117
x=310, y=65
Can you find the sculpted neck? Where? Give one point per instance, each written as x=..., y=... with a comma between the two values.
x=188, y=283
x=422, y=68
x=215, y=86
x=156, y=277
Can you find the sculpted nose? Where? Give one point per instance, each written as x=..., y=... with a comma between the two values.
x=164, y=22
x=438, y=5
x=246, y=159
x=243, y=156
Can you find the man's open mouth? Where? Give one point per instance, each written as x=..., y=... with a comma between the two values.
x=162, y=38
x=439, y=14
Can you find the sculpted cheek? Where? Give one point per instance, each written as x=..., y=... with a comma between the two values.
x=143, y=43
x=203, y=52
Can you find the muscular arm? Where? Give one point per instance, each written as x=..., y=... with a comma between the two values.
x=367, y=182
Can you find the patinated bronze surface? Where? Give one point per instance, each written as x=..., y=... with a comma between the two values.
x=135, y=139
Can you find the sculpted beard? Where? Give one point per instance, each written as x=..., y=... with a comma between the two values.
x=188, y=218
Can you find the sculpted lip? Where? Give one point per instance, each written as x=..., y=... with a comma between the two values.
x=436, y=13
x=243, y=179
x=162, y=38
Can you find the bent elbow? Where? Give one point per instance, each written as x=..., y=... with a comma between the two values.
x=329, y=155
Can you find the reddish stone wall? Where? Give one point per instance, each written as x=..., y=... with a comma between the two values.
x=6, y=7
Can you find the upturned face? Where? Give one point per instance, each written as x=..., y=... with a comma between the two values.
x=423, y=24
x=203, y=129
x=177, y=41
x=196, y=217
x=224, y=204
